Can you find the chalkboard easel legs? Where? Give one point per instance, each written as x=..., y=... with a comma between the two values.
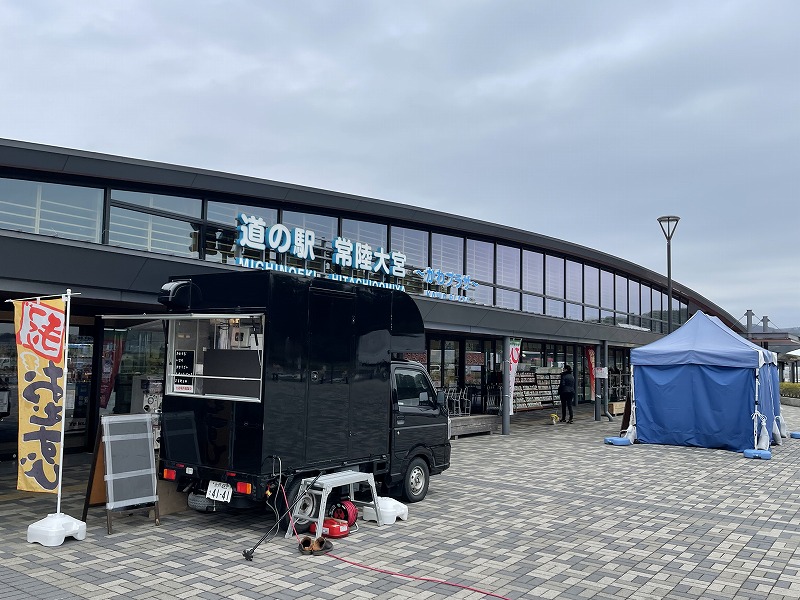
x=109, y=527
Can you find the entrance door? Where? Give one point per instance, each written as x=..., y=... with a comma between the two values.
x=330, y=367
x=9, y=411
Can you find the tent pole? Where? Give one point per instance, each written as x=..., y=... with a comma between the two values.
x=756, y=416
x=633, y=402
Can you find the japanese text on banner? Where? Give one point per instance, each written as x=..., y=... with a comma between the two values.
x=513, y=362
x=39, y=327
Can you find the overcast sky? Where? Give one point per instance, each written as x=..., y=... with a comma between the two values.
x=580, y=120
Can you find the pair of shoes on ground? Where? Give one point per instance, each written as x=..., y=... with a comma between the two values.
x=565, y=421
x=317, y=546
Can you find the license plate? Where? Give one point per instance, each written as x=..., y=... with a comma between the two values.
x=221, y=492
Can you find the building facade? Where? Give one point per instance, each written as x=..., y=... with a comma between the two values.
x=114, y=230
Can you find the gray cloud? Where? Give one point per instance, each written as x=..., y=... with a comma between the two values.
x=583, y=121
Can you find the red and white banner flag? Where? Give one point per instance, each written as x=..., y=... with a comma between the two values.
x=513, y=361
x=40, y=327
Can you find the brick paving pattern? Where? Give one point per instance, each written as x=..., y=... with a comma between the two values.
x=547, y=512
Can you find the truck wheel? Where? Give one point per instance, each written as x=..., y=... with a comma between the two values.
x=305, y=509
x=415, y=483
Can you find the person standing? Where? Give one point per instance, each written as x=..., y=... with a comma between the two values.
x=566, y=392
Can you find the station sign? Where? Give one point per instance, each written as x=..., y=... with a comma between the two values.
x=255, y=234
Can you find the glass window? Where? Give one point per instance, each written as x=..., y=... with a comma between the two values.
x=574, y=281
x=190, y=207
x=532, y=272
x=507, y=299
x=452, y=363
x=591, y=285
x=554, y=275
x=217, y=357
x=447, y=253
x=9, y=424
x=533, y=304
x=66, y=211
x=226, y=214
x=373, y=234
x=656, y=311
x=413, y=243
x=152, y=233
x=633, y=302
x=221, y=246
x=606, y=290
x=532, y=356
x=132, y=373
x=656, y=304
x=435, y=362
x=480, y=268
x=369, y=238
x=591, y=314
x=633, y=297
x=474, y=363
x=325, y=228
x=574, y=311
x=555, y=308
x=507, y=269
x=413, y=389
x=645, y=306
x=621, y=287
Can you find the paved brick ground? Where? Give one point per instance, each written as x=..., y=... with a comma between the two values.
x=547, y=512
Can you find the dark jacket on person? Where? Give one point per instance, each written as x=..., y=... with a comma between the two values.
x=567, y=384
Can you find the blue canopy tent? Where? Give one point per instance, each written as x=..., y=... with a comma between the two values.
x=704, y=385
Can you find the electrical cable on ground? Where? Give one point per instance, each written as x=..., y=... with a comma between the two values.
x=416, y=577
x=403, y=575
x=248, y=554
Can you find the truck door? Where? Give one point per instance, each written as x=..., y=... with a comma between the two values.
x=418, y=421
x=330, y=367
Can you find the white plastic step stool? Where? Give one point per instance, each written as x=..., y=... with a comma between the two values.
x=322, y=488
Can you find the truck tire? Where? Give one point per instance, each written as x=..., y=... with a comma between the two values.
x=415, y=482
x=306, y=505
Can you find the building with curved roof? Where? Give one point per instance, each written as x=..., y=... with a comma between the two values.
x=114, y=230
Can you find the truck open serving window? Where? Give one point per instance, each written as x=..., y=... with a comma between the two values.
x=216, y=356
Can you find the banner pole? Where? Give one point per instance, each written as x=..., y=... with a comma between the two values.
x=52, y=530
x=66, y=297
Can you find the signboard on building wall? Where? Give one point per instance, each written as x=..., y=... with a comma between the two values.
x=254, y=234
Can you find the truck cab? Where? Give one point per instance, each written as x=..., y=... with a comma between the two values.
x=418, y=415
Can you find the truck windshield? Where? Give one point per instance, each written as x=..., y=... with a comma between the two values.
x=217, y=356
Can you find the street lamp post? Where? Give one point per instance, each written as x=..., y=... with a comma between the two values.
x=668, y=225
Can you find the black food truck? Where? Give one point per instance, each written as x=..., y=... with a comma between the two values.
x=272, y=377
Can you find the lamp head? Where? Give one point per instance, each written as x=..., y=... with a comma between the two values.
x=668, y=224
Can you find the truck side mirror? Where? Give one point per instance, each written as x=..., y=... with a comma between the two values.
x=440, y=398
